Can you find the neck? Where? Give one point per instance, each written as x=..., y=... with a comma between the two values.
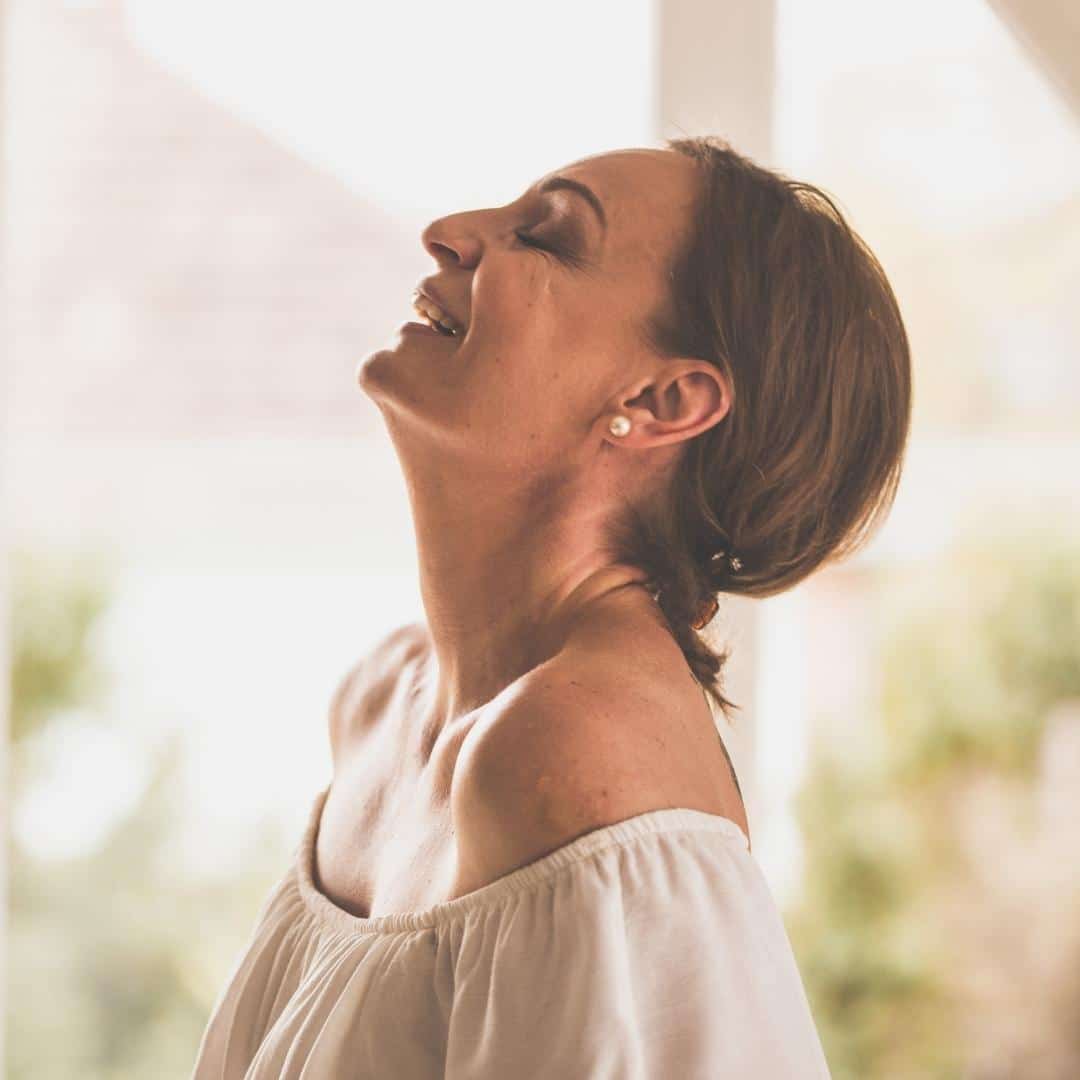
x=505, y=578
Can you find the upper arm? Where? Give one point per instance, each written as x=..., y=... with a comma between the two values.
x=358, y=697
x=548, y=769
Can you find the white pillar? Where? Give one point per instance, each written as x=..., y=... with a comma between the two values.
x=715, y=74
x=715, y=71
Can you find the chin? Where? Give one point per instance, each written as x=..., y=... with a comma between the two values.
x=375, y=372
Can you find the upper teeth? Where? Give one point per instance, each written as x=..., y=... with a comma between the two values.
x=435, y=314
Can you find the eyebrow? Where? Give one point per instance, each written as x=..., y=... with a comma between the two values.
x=564, y=183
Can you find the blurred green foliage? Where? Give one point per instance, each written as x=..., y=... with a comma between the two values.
x=55, y=608
x=973, y=656
x=115, y=957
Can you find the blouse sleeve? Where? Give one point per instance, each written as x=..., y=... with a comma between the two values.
x=660, y=954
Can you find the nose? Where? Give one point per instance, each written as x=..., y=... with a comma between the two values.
x=451, y=241
x=436, y=241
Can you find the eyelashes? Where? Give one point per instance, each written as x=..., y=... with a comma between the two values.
x=529, y=241
x=563, y=254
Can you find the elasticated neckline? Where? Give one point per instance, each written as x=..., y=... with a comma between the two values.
x=650, y=823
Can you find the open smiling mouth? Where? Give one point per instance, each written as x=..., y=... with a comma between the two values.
x=434, y=317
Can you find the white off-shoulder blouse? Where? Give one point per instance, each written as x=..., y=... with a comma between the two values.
x=651, y=948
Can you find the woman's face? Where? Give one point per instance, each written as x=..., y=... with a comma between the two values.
x=550, y=349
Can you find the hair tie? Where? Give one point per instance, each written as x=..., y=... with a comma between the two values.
x=710, y=607
x=733, y=560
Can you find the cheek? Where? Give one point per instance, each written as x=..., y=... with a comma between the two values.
x=540, y=337
x=540, y=309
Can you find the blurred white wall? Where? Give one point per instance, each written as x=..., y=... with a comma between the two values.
x=215, y=212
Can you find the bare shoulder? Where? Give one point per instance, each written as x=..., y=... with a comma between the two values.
x=575, y=747
x=361, y=695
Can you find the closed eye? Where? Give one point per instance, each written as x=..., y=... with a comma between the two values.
x=529, y=241
x=563, y=254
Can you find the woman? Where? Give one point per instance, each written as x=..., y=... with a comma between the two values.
x=662, y=374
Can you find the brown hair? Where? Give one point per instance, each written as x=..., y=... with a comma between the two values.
x=775, y=288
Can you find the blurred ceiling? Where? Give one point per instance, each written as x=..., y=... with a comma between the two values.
x=1049, y=31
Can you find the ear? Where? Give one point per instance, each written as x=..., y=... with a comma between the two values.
x=683, y=399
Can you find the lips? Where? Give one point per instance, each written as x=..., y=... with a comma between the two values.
x=428, y=289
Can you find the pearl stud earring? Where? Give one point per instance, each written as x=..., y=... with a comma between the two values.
x=619, y=425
